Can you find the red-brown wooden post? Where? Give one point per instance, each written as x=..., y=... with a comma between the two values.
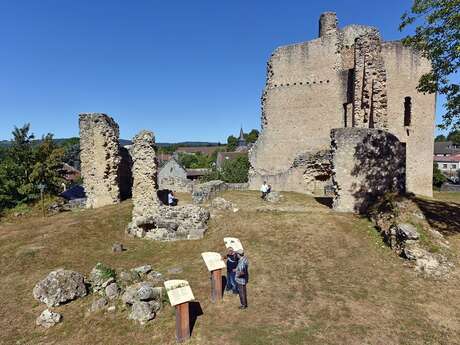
x=216, y=285
x=182, y=322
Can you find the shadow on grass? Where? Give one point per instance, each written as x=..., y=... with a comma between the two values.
x=442, y=216
x=324, y=200
x=194, y=312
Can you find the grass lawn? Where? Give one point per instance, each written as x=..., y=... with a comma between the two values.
x=317, y=277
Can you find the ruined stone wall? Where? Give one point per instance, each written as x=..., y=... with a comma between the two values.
x=145, y=199
x=366, y=163
x=369, y=87
x=344, y=78
x=404, y=68
x=100, y=158
x=150, y=219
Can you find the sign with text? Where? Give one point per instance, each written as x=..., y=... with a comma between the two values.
x=233, y=242
x=178, y=291
x=213, y=261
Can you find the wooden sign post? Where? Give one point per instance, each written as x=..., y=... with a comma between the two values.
x=216, y=285
x=214, y=264
x=182, y=322
x=180, y=294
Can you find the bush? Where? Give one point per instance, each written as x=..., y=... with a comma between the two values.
x=438, y=177
x=233, y=171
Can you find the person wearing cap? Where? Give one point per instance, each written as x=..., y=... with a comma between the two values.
x=232, y=262
x=242, y=277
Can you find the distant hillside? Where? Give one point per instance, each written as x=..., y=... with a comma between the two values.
x=123, y=142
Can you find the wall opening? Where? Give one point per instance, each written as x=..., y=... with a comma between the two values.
x=407, y=111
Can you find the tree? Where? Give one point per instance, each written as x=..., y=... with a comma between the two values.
x=235, y=171
x=438, y=177
x=252, y=136
x=232, y=143
x=25, y=165
x=454, y=136
x=437, y=37
x=440, y=138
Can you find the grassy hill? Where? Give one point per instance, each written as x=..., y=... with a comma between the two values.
x=317, y=277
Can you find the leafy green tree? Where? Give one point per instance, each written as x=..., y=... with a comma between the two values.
x=440, y=138
x=252, y=136
x=437, y=37
x=235, y=171
x=25, y=165
x=232, y=143
x=454, y=136
x=438, y=176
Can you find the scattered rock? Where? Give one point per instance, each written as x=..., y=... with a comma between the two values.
x=111, y=291
x=111, y=309
x=145, y=293
x=155, y=277
x=117, y=248
x=101, y=276
x=142, y=311
x=273, y=197
x=48, y=319
x=143, y=269
x=129, y=277
x=406, y=231
x=221, y=204
x=131, y=292
x=98, y=305
x=60, y=286
x=175, y=270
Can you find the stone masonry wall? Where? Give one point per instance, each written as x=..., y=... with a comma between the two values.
x=100, y=159
x=366, y=163
x=344, y=78
x=145, y=200
x=370, y=96
x=150, y=219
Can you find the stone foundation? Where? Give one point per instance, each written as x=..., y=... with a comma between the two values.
x=366, y=163
x=100, y=159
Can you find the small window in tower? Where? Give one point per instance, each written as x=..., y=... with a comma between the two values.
x=407, y=111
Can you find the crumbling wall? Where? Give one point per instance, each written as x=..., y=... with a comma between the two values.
x=145, y=200
x=176, y=184
x=370, y=96
x=366, y=163
x=100, y=158
x=151, y=220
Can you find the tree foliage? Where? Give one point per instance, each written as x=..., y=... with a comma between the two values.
x=252, y=136
x=454, y=136
x=438, y=177
x=195, y=160
x=437, y=37
x=24, y=165
x=440, y=138
x=233, y=171
x=232, y=143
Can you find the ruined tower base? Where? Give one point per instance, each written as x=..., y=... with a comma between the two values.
x=150, y=219
x=366, y=163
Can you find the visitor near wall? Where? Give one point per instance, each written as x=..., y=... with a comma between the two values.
x=242, y=277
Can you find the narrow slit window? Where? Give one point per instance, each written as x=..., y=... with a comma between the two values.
x=407, y=111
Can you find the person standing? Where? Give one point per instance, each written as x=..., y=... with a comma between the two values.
x=242, y=278
x=232, y=262
x=264, y=190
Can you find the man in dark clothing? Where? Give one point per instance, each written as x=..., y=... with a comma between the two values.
x=232, y=262
x=242, y=277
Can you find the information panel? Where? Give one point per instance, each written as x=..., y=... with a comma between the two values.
x=233, y=242
x=213, y=261
x=178, y=291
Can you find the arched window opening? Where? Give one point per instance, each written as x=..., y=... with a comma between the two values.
x=407, y=111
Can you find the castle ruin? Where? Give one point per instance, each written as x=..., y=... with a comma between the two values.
x=344, y=79
x=100, y=159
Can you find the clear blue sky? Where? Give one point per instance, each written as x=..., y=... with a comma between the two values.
x=188, y=70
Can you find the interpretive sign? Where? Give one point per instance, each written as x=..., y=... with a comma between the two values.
x=213, y=261
x=233, y=242
x=178, y=291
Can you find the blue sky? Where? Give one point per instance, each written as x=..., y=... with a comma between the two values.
x=188, y=70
